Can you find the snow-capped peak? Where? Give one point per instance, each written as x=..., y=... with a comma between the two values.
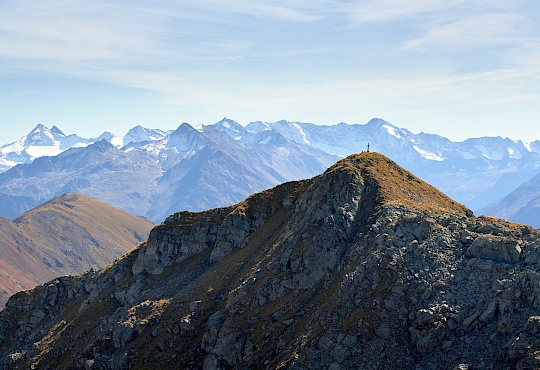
x=230, y=127
x=257, y=126
x=139, y=134
x=291, y=130
x=56, y=131
x=41, y=136
x=378, y=122
x=392, y=131
x=184, y=139
x=40, y=142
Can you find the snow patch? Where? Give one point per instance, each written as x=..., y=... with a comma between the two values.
x=7, y=163
x=392, y=131
x=117, y=141
x=15, y=147
x=514, y=154
x=302, y=133
x=428, y=155
x=493, y=156
x=43, y=151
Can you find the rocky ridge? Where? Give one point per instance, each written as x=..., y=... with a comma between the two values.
x=364, y=266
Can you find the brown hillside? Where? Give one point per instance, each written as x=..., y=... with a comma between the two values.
x=69, y=234
x=17, y=270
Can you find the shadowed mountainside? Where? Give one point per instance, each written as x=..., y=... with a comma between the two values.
x=364, y=266
x=69, y=234
x=521, y=205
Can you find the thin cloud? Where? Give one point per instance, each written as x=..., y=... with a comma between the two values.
x=268, y=10
x=256, y=56
x=387, y=11
x=448, y=24
x=472, y=32
x=80, y=31
x=71, y=31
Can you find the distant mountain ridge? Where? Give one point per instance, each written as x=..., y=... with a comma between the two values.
x=476, y=171
x=42, y=141
x=344, y=138
x=184, y=169
x=69, y=234
x=521, y=205
x=216, y=165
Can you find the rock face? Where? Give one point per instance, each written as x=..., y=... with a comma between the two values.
x=364, y=266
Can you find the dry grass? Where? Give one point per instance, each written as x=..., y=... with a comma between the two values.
x=397, y=186
x=69, y=234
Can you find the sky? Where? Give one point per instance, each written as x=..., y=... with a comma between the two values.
x=457, y=68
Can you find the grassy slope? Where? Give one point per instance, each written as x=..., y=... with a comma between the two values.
x=69, y=234
x=16, y=260
x=397, y=186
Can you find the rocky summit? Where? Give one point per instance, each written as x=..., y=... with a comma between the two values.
x=362, y=267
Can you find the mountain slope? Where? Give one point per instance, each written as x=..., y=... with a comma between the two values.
x=69, y=234
x=16, y=262
x=14, y=205
x=521, y=205
x=364, y=266
x=99, y=170
x=529, y=214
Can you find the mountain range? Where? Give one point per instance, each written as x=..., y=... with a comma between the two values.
x=183, y=169
x=154, y=173
x=476, y=172
x=364, y=266
x=70, y=234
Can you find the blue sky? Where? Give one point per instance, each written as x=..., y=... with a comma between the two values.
x=451, y=67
